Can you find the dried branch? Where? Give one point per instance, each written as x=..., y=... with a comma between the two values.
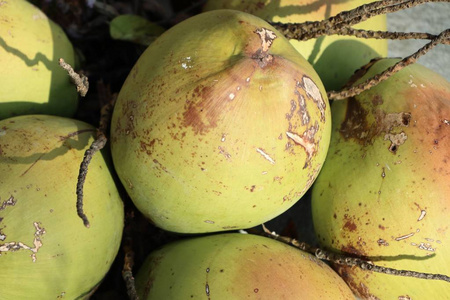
x=443, y=37
x=309, y=30
x=370, y=34
x=369, y=266
x=127, y=271
x=97, y=145
x=352, y=261
x=81, y=81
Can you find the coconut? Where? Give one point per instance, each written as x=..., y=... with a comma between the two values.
x=220, y=125
x=384, y=190
x=236, y=266
x=45, y=250
x=31, y=80
x=334, y=57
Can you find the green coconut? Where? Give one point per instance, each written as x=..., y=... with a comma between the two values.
x=334, y=57
x=31, y=80
x=45, y=250
x=236, y=266
x=384, y=191
x=220, y=125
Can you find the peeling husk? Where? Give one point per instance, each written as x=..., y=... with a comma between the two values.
x=236, y=266
x=45, y=250
x=384, y=190
x=334, y=57
x=220, y=125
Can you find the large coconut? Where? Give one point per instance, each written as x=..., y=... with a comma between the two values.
x=45, y=250
x=220, y=125
x=384, y=191
x=237, y=266
x=31, y=80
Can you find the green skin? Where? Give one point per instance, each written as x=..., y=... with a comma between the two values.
x=334, y=57
x=205, y=137
x=236, y=266
x=384, y=189
x=45, y=251
x=31, y=80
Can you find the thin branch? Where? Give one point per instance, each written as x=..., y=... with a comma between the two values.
x=309, y=30
x=352, y=261
x=81, y=81
x=370, y=34
x=97, y=145
x=443, y=37
x=127, y=271
x=369, y=266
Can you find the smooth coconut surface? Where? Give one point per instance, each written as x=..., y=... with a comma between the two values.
x=383, y=192
x=31, y=80
x=236, y=266
x=220, y=125
x=334, y=57
x=45, y=250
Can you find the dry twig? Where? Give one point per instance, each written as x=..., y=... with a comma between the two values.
x=98, y=144
x=369, y=34
x=356, y=90
x=81, y=81
x=353, y=261
x=127, y=271
x=334, y=25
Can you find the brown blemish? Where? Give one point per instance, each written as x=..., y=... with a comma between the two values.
x=302, y=111
x=291, y=111
x=355, y=125
x=350, y=249
x=160, y=166
x=203, y=110
x=147, y=147
x=382, y=242
x=358, y=288
x=396, y=140
x=377, y=100
x=10, y=202
x=128, y=108
x=349, y=224
x=224, y=153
